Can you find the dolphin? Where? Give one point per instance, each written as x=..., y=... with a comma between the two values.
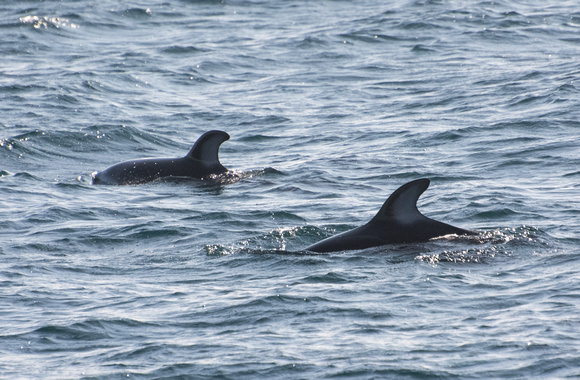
x=201, y=161
x=398, y=221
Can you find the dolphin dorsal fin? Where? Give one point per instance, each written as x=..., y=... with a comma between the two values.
x=207, y=146
x=402, y=204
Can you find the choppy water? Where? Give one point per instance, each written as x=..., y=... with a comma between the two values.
x=331, y=105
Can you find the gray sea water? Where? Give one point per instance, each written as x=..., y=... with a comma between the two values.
x=331, y=105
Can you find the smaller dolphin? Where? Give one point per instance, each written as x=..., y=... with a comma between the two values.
x=201, y=161
x=398, y=221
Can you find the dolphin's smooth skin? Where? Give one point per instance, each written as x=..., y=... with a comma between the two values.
x=398, y=221
x=201, y=161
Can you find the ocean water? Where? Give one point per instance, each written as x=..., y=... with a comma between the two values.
x=331, y=105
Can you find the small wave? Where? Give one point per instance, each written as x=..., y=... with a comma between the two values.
x=260, y=138
x=41, y=144
x=328, y=278
x=182, y=50
x=137, y=13
x=310, y=42
x=419, y=25
x=26, y=176
x=422, y=49
x=268, y=121
x=87, y=331
x=499, y=213
x=23, y=89
x=529, y=99
x=572, y=174
x=362, y=37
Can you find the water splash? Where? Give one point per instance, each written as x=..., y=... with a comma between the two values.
x=45, y=22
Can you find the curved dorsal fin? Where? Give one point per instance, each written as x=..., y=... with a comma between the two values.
x=402, y=204
x=207, y=146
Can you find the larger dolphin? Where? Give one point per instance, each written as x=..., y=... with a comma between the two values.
x=201, y=161
x=398, y=221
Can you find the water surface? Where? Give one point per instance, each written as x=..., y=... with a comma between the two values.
x=330, y=106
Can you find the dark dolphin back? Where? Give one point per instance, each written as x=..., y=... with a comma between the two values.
x=401, y=206
x=206, y=148
x=398, y=221
x=201, y=161
x=400, y=213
